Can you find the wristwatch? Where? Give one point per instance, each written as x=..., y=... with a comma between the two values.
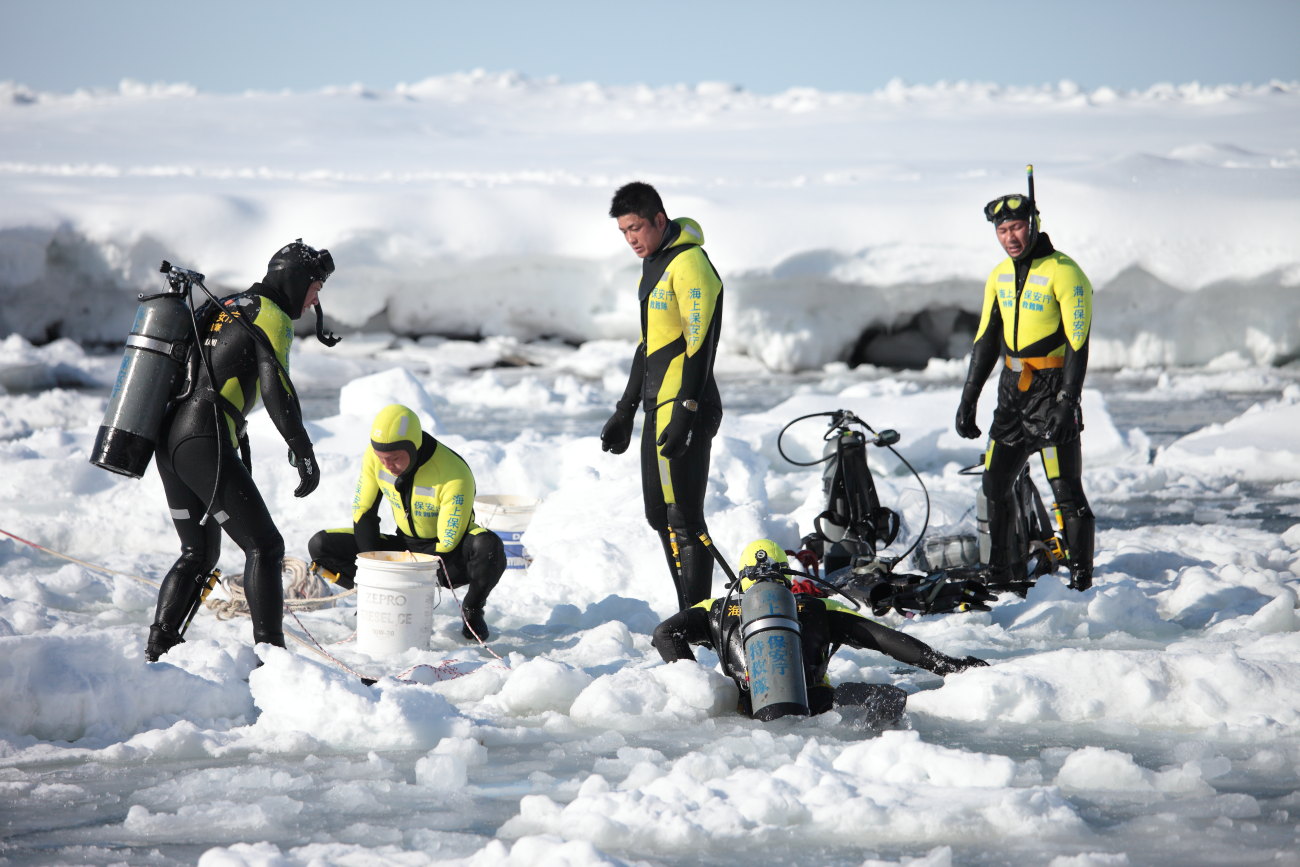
x=690, y=405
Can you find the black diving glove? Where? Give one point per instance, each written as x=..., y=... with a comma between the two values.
x=966, y=427
x=308, y=472
x=676, y=435
x=616, y=435
x=1061, y=416
x=941, y=664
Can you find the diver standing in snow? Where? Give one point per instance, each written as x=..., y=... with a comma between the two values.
x=823, y=626
x=431, y=490
x=1037, y=313
x=680, y=297
x=203, y=456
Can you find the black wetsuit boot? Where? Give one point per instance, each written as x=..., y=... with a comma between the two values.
x=177, y=598
x=1080, y=534
x=264, y=590
x=162, y=638
x=1005, y=569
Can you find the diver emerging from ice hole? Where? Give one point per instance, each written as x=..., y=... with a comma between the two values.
x=775, y=637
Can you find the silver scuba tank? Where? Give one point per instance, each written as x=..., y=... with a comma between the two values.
x=940, y=553
x=152, y=366
x=769, y=618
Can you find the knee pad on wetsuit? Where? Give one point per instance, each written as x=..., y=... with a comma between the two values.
x=998, y=486
x=681, y=525
x=656, y=515
x=485, y=557
x=1078, y=511
x=194, y=563
x=317, y=549
x=478, y=562
x=336, y=552
x=268, y=544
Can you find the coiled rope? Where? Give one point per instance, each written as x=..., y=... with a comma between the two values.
x=304, y=590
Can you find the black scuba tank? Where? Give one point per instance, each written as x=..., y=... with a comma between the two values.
x=152, y=367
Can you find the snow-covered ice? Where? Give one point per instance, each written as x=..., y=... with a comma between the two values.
x=1154, y=719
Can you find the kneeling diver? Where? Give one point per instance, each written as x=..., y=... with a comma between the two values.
x=755, y=642
x=430, y=490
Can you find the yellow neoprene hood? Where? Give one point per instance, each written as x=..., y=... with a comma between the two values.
x=396, y=427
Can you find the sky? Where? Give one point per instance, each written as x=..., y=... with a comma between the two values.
x=760, y=45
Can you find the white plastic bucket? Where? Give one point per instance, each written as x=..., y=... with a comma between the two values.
x=395, y=596
x=508, y=517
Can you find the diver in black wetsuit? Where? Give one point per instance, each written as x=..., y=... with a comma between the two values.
x=672, y=379
x=824, y=624
x=1037, y=315
x=203, y=455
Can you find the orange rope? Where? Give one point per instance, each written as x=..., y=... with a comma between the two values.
x=70, y=559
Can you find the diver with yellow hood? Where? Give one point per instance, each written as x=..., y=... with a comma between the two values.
x=431, y=491
x=754, y=643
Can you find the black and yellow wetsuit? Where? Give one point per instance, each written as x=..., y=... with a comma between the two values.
x=1038, y=311
x=824, y=626
x=1037, y=316
x=672, y=373
x=200, y=463
x=432, y=504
